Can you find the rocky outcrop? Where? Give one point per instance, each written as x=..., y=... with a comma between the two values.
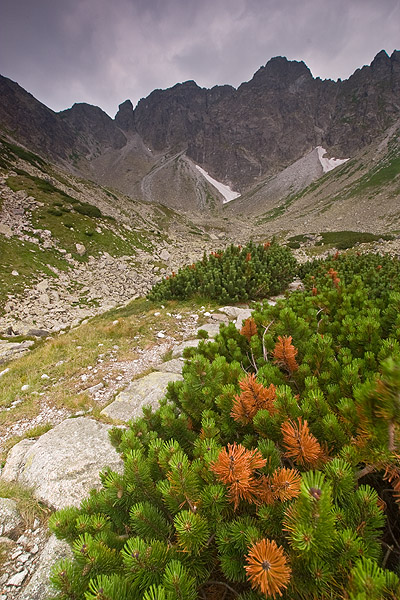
x=63, y=465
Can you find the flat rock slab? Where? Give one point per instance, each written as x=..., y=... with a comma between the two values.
x=211, y=328
x=178, y=350
x=232, y=311
x=63, y=465
x=147, y=390
x=171, y=366
x=39, y=586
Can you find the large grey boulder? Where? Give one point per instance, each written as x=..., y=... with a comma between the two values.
x=148, y=390
x=63, y=465
x=245, y=313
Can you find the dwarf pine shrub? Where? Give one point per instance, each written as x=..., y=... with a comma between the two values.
x=236, y=274
x=272, y=469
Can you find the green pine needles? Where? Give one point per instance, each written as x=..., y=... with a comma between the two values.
x=272, y=470
x=237, y=274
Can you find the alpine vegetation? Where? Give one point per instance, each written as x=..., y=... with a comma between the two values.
x=271, y=470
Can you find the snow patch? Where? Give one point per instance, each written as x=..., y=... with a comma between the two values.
x=329, y=163
x=225, y=190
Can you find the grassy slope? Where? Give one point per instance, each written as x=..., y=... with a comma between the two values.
x=116, y=335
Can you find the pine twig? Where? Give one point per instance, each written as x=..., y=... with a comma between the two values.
x=231, y=589
x=265, y=353
x=365, y=471
x=391, y=432
x=388, y=553
x=253, y=361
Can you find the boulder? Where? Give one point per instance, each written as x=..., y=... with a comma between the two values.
x=63, y=465
x=148, y=390
x=6, y=230
x=244, y=314
x=10, y=350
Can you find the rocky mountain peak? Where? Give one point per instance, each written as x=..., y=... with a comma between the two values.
x=125, y=117
x=279, y=73
x=93, y=125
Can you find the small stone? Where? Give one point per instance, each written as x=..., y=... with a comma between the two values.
x=15, y=554
x=34, y=549
x=24, y=388
x=161, y=334
x=95, y=388
x=44, y=376
x=18, y=579
x=80, y=248
x=4, y=372
x=15, y=273
x=164, y=254
x=115, y=322
x=157, y=314
x=22, y=558
x=23, y=540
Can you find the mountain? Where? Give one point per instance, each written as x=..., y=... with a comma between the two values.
x=241, y=137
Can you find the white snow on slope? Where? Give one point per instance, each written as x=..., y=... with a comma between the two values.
x=225, y=190
x=329, y=163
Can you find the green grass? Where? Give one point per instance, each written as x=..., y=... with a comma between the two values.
x=295, y=241
x=29, y=261
x=10, y=152
x=28, y=506
x=385, y=172
x=65, y=358
x=73, y=222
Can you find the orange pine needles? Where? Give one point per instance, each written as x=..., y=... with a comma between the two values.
x=392, y=475
x=235, y=467
x=285, y=484
x=254, y=397
x=334, y=276
x=267, y=568
x=300, y=444
x=285, y=353
x=249, y=329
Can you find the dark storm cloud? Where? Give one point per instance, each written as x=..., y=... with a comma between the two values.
x=103, y=52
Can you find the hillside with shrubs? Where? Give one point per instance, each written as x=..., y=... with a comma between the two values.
x=273, y=469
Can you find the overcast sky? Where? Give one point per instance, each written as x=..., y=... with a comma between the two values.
x=105, y=51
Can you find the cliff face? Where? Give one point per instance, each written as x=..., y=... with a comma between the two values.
x=272, y=120
x=238, y=135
